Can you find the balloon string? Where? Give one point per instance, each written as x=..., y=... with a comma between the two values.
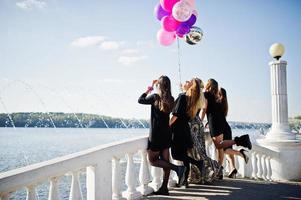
x=179, y=62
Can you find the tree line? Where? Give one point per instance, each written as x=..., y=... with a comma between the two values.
x=67, y=120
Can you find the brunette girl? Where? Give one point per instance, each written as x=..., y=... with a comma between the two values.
x=160, y=133
x=215, y=121
x=223, y=106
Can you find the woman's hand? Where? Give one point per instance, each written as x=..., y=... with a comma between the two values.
x=154, y=82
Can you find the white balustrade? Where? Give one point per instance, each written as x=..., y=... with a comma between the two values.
x=116, y=180
x=103, y=172
x=156, y=173
x=173, y=176
x=264, y=167
x=259, y=165
x=31, y=193
x=131, y=192
x=75, y=191
x=144, y=176
x=53, y=189
x=5, y=196
x=101, y=181
x=254, y=165
x=268, y=166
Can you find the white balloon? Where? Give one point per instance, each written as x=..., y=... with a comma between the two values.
x=182, y=11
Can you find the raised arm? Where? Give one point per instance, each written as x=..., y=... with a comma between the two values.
x=150, y=99
x=147, y=100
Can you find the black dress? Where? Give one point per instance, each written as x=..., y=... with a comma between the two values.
x=214, y=115
x=226, y=129
x=180, y=128
x=160, y=132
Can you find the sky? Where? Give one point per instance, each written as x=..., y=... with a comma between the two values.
x=99, y=56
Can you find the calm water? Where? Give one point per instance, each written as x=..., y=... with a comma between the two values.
x=23, y=146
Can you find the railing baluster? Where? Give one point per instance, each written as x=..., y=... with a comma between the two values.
x=131, y=192
x=259, y=166
x=264, y=168
x=5, y=196
x=254, y=165
x=269, y=169
x=31, y=193
x=98, y=176
x=172, y=177
x=53, y=189
x=116, y=180
x=75, y=191
x=144, y=176
x=156, y=174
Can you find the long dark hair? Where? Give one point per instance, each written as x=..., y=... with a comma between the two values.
x=224, y=101
x=165, y=101
x=212, y=87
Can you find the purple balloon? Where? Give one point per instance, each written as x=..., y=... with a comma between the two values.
x=159, y=12
x=183, y=29
x=191, y=21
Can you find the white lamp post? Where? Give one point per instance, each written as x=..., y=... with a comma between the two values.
x=280, y=129
x=281, y=146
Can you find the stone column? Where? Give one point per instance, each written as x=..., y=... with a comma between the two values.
x=280, y=129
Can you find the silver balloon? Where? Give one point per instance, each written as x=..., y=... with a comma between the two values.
x=194, y=36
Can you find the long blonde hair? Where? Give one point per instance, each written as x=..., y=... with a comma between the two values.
x=195, y=100
x=166, y=101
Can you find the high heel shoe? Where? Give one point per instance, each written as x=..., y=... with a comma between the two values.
x=246, y=158
x=233, y=173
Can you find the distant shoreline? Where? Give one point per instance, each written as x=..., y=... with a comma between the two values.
x=83, y=120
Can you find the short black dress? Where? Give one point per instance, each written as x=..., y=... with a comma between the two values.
x=159, y=132
x=180, y=128
x=214, y=115
x=226, y=129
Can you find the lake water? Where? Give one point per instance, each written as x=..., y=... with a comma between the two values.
x=23, y=146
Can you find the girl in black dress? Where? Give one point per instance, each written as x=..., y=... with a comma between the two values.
x=216, y=123
x=160, y=134
x=186, y=108
x=223, y=106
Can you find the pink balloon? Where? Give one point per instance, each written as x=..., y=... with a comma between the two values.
x=191, y=2
x=182, y=11
x=169, y=23
x=166, y=38
x=168, y=4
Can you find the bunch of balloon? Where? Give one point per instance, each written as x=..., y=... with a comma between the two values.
x=177, y=18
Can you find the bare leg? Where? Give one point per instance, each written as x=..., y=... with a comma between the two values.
x=231, y=153
x=220, y=143
x=217, y=141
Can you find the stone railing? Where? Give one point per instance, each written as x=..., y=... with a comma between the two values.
x=259, y=165
x=102, y=167
x=104, y=177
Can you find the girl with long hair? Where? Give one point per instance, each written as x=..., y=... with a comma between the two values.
x=186, y=108
x=159, y=140
x=198, y=152
x=223, y=106
x=215, y=121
